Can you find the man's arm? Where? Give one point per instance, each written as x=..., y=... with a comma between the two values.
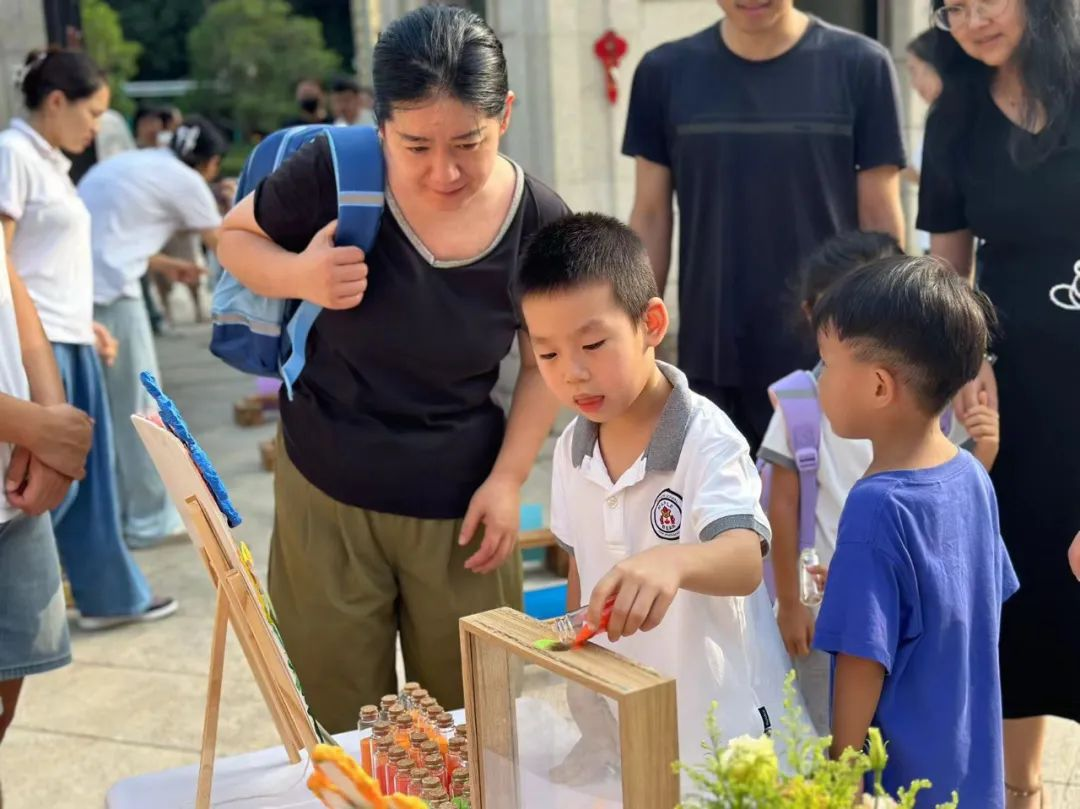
x=652, y=216
x=857, y=688
x=957, y=248
x=878, y=192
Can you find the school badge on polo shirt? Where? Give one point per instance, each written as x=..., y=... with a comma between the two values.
x=667, y=515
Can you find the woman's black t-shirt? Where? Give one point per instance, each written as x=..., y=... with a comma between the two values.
x=393, y=411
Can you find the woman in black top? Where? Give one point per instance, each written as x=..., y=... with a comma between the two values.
x=395, y=456
x=1002, y=163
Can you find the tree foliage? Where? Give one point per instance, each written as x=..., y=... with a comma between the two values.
x=162, y=26
x=247, y=56
x=105, y=43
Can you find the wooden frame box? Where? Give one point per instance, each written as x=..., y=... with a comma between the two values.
x=584, y=729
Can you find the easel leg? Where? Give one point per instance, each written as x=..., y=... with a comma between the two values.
x=213, y=702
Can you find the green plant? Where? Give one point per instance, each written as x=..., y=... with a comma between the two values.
x=106, y=45
x=247, y=55
x=746, y=774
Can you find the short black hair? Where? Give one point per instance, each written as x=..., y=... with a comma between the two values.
x=162, y=115
x=588, y=248
x=915, y=315
x=344, y=84
x=197, y=141
x=439, y=50
x=841, y=255
x=70, y=71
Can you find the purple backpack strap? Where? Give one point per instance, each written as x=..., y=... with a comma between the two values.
x=796, y=396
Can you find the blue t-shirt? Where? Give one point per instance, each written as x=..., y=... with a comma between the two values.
x=917, y=583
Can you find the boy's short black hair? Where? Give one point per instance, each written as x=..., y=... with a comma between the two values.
x=915, y=315
x=840, y=255
x=588, y=248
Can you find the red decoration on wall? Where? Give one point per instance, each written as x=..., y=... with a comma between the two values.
x=610, y=49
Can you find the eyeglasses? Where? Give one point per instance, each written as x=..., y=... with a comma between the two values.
x=954, y=16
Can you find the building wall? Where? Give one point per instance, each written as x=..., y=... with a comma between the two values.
x=22, y=27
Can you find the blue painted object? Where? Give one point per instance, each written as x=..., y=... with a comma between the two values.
x=545, y=603
x=171, y=418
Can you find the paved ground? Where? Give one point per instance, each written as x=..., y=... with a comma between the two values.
x=133, y=700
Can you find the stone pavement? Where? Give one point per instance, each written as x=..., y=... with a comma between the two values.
x=132, y=702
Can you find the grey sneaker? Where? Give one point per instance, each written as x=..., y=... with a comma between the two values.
x=161, y=607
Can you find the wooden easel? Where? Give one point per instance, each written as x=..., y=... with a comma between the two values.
x=239, y=603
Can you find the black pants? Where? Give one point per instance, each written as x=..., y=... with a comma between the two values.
x=749, y=408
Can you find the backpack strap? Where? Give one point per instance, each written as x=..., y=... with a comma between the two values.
x=360, y=179
x=796, y=396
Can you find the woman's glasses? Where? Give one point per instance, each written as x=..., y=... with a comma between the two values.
x=956, y=16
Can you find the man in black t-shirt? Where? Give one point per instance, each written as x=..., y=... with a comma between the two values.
x=775, y=131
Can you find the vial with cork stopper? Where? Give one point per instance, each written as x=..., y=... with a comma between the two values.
x=437, y=769
x=453, y=754
x=384, y=705
x=417, y=776
x=406, y=693
x=399, y=760
x=369, y=716
x=403, y=728
x=458, y=783
x=382, y=761
x=416, y=739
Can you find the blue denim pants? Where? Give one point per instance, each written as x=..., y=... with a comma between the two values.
x=104, y=578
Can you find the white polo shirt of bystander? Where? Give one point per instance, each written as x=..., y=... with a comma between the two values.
x=694, y=482
x=51, y=248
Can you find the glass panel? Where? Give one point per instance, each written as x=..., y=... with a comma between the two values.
x=566, y=742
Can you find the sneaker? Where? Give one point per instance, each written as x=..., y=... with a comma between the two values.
x=161, y=607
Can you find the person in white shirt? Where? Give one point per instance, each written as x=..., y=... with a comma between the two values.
x=842, y=462
x=49, y=441
x=350, y=104
x=653, y=491
x=47, y=233
x=137, y=201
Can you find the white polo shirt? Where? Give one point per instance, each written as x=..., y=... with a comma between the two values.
x=51, y=248
x=842, y=462
x=12, y=374
x=694, y=482
x=137, y=201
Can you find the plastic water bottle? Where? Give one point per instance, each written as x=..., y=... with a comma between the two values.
x=809, y=592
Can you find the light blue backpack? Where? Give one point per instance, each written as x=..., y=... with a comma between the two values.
x=267, y=336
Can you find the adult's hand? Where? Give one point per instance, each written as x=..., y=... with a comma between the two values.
x=61, y=439
x=968, y=399
x=1074, y=556
x=496, y=506
x=331, y=276
x=41, y=488
x=107, y=345
x=796, y=624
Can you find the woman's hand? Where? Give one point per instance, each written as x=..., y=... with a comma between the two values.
x=1074, y=556
x=497, y=506
x=107, y=345
x=968, y=399
x=983, y=424
x=333, y=277
x=61, y=439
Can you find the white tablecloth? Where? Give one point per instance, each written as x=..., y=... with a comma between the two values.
x=262, y=780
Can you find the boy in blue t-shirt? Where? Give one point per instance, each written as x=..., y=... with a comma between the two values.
x=912, y=608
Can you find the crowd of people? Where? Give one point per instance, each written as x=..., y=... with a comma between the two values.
x=944, y=451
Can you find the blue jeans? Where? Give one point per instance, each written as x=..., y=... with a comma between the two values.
x=104, y=578
x=146, y=512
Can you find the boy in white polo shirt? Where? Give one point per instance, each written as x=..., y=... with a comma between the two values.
x=654, y=494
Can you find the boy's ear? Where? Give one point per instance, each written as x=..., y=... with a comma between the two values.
x=657, y=321
x=886, y=387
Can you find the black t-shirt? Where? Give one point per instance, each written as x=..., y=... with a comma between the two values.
x=764, y=158
x=393, y=411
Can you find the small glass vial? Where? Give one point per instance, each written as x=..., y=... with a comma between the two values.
x=403, y=730
x=405, y=697
x=809, y=592
x=385, y=704
x=444, y=727
x=394, y=712
x=416, y=777
x=458, y=782
x=416, y=738
x=369, y=715
x=453, y=753
x=418, y=696
x=399, y=760
x=432, y=713
x=382, y=762
x=436, y=768
x=462, y=731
